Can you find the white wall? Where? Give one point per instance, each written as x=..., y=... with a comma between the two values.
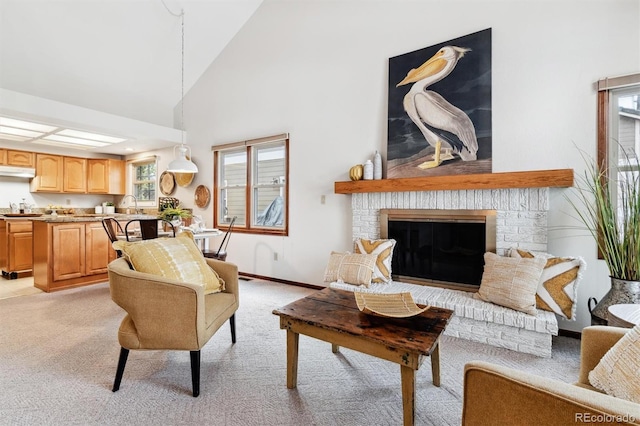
x=318, y=69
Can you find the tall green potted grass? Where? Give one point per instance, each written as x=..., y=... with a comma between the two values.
x=615, y=225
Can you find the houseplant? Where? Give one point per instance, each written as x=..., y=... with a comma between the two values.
x=174, y=214
x=613, y=219
x=171, y=213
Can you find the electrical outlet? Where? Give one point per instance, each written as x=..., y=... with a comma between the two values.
x=68, y=201
x=323, y=199
x=275, y=256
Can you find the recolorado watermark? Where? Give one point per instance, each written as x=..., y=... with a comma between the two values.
x=603, y=418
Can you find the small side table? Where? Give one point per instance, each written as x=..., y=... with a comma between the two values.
x=624, y=315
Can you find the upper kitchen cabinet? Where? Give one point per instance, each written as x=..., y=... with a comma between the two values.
x=10, y=157
x=56, y=173
x=20, y=158
x=75, y=175
x=106, y=176
x=49, y=173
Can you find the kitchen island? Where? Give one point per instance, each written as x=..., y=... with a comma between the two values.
x=71, y=251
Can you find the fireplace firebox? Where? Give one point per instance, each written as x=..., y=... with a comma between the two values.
x=439, y=247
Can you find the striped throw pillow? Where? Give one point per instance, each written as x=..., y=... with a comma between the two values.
x=349, y=268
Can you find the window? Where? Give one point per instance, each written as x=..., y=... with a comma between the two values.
x=144, y=181
x=251, y=184
x=619, y=130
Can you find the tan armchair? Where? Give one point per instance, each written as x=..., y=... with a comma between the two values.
x=496, y=395
x=165, y=314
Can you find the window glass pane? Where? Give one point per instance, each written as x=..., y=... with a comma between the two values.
x=234, y=169
x=270, y=165
x=269, y=209
x=233, y=201
x=624, y=144
x=233, y=182
x=144, y=181
x=269, y=171
x=624, y=133
x=145, y=191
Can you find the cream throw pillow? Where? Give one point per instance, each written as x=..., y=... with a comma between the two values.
x=558, y=287
x=618, y=372
x=176, y=258
x=510, y=282
x=383, y=249
x=350, y=268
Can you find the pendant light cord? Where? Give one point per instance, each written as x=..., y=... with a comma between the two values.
x=182, y=85
x=181, y=16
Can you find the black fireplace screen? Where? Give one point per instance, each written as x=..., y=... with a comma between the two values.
x=440, y=251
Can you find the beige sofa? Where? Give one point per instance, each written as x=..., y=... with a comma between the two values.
x=496, y=395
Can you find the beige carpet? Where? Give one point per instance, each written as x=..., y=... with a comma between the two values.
x=58, y=355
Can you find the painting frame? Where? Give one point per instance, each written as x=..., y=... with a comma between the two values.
x=439, y=109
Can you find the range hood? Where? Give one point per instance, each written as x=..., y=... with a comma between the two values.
x=13, y=171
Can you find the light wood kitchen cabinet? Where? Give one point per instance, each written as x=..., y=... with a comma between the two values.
x=75, y=175
x=105, y=176
x=98, y=249
x=12, y=157
x=49, y=173
x=67, y=244
x=70, y=254
x=20, y=158
x=16, y=248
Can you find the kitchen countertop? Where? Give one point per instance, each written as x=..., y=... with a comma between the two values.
x=79, y=217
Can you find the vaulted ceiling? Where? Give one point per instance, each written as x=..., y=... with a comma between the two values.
x=120, y=57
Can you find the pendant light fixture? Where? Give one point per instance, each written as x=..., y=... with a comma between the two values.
x=182, y=162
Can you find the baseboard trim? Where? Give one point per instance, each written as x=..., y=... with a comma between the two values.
x=281, y=281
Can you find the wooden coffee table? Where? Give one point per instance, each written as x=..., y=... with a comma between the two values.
x=332, y=315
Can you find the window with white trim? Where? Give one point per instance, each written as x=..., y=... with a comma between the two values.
x=144, y=181
x=251, y=184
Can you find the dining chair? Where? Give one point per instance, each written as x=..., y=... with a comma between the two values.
x=113, y=228
x=148, y=228
x=221, y=253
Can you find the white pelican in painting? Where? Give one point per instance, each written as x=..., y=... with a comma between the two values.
x=436, y=118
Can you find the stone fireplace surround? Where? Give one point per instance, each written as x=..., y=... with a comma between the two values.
x=521, y=213
x=521, y=201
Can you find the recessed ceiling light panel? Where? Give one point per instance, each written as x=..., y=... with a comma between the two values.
x=20, y=124
x=61, y=144
x=19, y=132
x=76, y=141
x=91, y=136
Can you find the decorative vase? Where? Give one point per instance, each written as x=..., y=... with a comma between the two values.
x=368, y=170
x=377, y=166
x=356, y=172
x=622, y=291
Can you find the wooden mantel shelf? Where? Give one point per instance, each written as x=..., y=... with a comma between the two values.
x=560, y=178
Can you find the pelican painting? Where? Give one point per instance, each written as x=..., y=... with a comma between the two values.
x=437, y=119
x=440, y=109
